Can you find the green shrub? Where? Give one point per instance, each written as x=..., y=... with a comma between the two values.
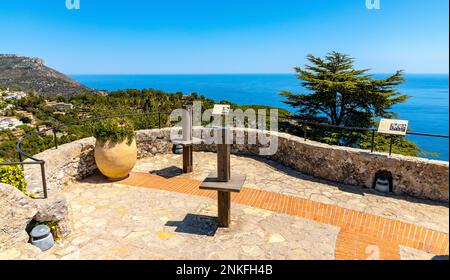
x=115, y=130
x=13, y=175
x=25, y=119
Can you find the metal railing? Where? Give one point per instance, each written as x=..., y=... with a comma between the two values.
x=34, y=161
x=40, y=162
x=305, y=125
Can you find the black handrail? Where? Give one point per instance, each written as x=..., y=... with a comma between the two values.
x=358, y=128
x=40, y=162
x=303, y=123
x=54, y=130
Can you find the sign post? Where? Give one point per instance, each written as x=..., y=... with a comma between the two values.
x=393, y=128
x=187, y=139
x=223, y=181
x=223, y=158
x=223, y=149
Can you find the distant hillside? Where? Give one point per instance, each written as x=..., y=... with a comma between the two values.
x=31, y=75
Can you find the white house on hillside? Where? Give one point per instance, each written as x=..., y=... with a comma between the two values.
x=15, y=95
x=9, y=123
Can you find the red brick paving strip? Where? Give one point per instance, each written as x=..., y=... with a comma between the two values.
x=362, y=235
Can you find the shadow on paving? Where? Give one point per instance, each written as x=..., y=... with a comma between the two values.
x=99, y=178
x=174, y=171
x=359, y=190
x=168, y=172
x=195, y=224
x=440, y=258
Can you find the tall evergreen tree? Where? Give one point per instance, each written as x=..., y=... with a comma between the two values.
x=338, y=94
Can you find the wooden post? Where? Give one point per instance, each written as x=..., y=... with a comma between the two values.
x=223, y=159
x=224, y=205
x=187, y=158
x=223, y=183
x=187, y=139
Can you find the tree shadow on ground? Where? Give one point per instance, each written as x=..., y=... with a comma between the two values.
x=196, y=224
x=440, y=258
x=99, y=178
x=174, y=171
x=168, y=172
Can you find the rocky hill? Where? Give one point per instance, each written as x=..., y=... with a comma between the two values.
x=32, y=75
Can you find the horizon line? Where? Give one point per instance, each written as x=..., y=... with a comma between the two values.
x=145, y=74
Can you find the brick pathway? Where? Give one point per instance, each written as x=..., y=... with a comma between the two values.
x=362, y=236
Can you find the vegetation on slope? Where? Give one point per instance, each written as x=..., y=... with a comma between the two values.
x=87, y=106
x=32, y=75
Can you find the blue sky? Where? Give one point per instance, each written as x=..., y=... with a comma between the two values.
x=225, y=36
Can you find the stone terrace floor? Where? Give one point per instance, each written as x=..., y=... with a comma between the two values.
x=159, y=213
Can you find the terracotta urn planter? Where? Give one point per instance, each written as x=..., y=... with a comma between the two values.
x=115, y=160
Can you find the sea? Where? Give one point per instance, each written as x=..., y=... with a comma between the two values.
x=427, y=109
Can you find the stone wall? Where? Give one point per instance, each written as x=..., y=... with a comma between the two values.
x=69, y=162
x=413, y=176
x=410, y=175
x=17, y=211
x=75, y=160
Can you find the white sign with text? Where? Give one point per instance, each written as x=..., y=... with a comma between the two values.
x=393, y=127
x=221, y=110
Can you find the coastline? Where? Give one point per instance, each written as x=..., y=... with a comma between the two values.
x=427, y=109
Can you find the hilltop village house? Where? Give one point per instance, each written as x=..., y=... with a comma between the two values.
x=9, y=123
x=15, y=95
x=60, y=105
x=8, y=95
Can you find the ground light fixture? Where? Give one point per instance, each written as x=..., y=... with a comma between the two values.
x=41, y=237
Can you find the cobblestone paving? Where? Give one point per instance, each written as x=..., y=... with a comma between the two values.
x=361, y=236
x=273, y=177
x=114, y=221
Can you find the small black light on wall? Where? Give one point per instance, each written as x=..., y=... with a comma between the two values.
x=177, y=149
x=383, y=181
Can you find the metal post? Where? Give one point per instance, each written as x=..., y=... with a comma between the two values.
x=390, y=146
x=44, y=180
x=159, y=120
x=20, y=157
x=55, y=138
x=304, y=131
x=373, y=141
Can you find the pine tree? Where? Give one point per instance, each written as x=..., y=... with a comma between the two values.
x=338, y=94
